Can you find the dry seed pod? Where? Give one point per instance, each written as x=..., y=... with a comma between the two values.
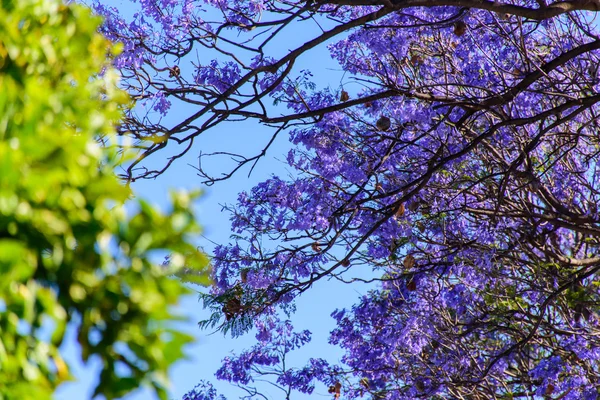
x=244, y=275
x=345, y=262
x=379, y=188
x=420, y=227
x=344, y=96
x=413, y=206
x=400, y=211
x=337, y=389
x=409, y=261
x=411, y=286
x=460, y=28
x=383, y=123
x=232, y=308
x=316, y=247
x=416, y=59
x=174, y=72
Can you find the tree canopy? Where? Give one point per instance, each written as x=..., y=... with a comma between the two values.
x=458, y=160
x=69, y=251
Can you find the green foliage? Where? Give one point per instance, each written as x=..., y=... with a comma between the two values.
x=68, y=251
x=240, y=310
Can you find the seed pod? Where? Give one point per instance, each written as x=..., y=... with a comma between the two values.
x=337, y=388
x=316, y=247
x=460, y=28
x=400, y=211
x=411, y=286
x=344, y=96
x=409, y=261
x=420, y=227
x=244, y=275
x=416, y=59
x=232, y=307
x=383, y=123
x=174, y=72
x=413, y=206
x=345, y=262
x=379, y=188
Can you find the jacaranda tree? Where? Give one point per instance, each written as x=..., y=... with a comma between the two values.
x=69, y=251
x=464, y=174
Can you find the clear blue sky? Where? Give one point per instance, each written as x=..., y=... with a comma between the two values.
x=205, y=355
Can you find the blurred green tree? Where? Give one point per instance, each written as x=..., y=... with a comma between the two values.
x=68, y=250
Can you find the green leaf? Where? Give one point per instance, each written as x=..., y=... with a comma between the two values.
x=67, y=248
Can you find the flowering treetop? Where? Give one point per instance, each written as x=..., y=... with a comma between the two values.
x=464, y=173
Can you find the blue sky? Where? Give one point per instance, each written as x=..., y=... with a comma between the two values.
x=205, y=355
